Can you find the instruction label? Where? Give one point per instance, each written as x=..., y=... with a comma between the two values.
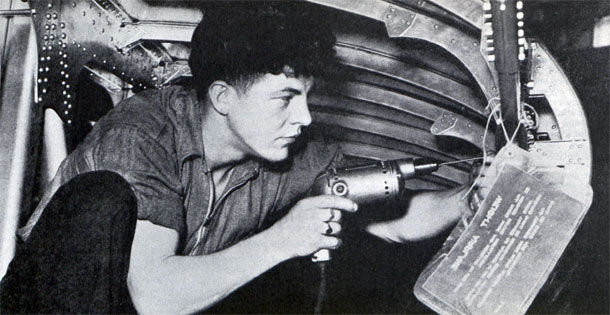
x=499, y=263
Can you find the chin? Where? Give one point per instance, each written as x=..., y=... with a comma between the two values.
x=276, y=155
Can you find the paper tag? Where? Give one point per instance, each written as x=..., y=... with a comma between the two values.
x=502, y=259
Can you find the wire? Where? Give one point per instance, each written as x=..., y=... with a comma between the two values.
x=484, y=149
x=321, y=289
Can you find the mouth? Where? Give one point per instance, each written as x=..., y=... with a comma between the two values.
x=290, y=139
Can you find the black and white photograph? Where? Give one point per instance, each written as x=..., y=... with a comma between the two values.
x=304, y=157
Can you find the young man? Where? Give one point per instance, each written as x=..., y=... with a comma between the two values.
x=203, y=171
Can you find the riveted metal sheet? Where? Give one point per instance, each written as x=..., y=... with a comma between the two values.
x=419, y=77
x=385, y=128
x=458, y=43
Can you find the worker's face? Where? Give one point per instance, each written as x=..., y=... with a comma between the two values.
x=269, y=115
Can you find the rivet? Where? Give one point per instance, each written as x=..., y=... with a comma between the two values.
x=113, y=67
x=67, y=75
x=42, y=59
x=69, y=121
x=538, y=68
x=63, y=72
x=52, y=37
x=469, y=125
x=453, y=41
x=53, y=26
x=64, y=46
x=502, y=7
x=474, y=44
x=46, y=69
x=69, y=105
x=408, y=22
x=64, y=92
x=62, y=25
x=66, y=112
x=519, y=15
x=44, y=90
x=65, y=102
x=68, y=96
x=46, y=37
x=64, y=82
x=55, y=16
x=93, y=22
x=436, y=26
x=63, y=35
x=91, y=74
x=154, y=79
x=411, y=15
x=122, y=73
x=48, y=16
x=392, y=9
x=78, y=45
x=104, y=61
x=45, y=80
x=554, y=127
x=60, y=42
x=519, y=5
x=48, y=58
x=39, y=80
x=40, y=99
x=388, y=16
x=73, y=42
x=84, y=48
x=84, y=13
x=94, y=55
x=50, y=5
x=68, y=86
x=66, y=66
x=61, y=62
x=47, y=27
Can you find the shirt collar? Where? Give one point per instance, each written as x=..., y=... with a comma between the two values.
x=191, y=138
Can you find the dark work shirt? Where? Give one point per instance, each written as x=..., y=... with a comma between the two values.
x=154, y=140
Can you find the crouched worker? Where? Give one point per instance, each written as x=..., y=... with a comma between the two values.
x=167, y=205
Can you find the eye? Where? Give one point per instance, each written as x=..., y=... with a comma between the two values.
x=286, y=99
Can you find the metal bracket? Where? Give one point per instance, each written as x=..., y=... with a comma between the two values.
x=398, y=20
x=453, y=125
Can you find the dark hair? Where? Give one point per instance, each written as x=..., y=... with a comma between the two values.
x=239, y=41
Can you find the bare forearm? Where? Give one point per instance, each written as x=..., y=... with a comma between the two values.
x=186, y=284
x=427, y=214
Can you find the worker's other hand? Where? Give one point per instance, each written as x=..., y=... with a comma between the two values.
x=313, y=223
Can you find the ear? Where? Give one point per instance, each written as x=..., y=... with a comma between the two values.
x=220, y=96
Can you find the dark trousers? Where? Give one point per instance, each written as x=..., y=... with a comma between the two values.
x=77, y=257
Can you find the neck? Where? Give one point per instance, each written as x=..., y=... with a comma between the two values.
x=218, y=141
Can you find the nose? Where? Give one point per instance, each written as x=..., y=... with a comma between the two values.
x=300, y=112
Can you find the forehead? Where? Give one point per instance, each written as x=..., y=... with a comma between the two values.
x=274, y=83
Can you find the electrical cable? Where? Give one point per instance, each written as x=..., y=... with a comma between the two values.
x=321, y=289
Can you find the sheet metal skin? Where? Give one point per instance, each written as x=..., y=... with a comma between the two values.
x=109, y=39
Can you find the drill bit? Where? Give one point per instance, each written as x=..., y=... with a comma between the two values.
x=460, y=161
